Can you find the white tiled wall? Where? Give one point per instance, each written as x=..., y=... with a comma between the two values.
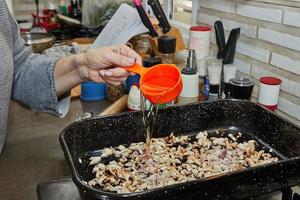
x=253, y=51
x=247, y=29
x=225, y=6
x=259, y=12
x=291, y=18
x=269, y=44
x=280, y=38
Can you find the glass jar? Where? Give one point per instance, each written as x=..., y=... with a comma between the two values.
x=167, y=48
x=167, y=58
x=142, y=45
x=113, y=93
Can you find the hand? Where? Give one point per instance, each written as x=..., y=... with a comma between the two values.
x=107, y=64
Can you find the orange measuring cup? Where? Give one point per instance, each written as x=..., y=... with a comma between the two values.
x=159, y=84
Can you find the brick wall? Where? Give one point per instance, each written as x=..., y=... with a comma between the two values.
x=269, y=43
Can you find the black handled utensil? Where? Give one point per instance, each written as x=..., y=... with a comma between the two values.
x=229, y=51
x=145, y=19
x=160, y=15
x=220, y=38
x=37, y=7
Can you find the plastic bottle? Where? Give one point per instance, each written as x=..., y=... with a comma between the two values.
x=190, y=81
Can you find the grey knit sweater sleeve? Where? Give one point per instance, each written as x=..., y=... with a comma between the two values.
x=33, y=79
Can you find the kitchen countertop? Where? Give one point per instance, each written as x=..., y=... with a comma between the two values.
x=32, y=152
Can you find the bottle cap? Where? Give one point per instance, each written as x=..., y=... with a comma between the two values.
x=189, y=71
x=241, y=81
x=270, y=80
x=166, y=44
x=149, y=62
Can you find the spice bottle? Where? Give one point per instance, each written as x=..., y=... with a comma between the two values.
x=167, y=48
x=190, y=81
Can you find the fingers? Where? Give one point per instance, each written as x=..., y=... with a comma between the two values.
x=94, y=76
x=113, y=83
x=114, y=72
x=119, y=60
x=125, y=50
x=128, y=52
x=111, y=62
x=113, y=79
x=114, y=76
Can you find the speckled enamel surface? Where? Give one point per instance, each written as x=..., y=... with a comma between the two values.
x=232, y=115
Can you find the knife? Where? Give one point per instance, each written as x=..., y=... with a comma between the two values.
x=144, y=17
x=220, y=38
x=229, y=51
x=160, y=15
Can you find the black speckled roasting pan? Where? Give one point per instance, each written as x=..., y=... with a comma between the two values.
x=86, y=137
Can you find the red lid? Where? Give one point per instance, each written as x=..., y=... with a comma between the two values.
x=200, y=28
x=272, y=107
x=270, y=80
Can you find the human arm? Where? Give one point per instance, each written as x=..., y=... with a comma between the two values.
x=99, y=65
x=38, y=81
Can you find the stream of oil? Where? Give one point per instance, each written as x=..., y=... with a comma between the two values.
x=149, y=119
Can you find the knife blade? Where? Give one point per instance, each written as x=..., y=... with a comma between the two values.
x=220, y=38
x=160, y=15
x=229, y=51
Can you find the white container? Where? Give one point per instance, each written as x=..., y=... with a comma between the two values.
x=200, y=40
x=134, y=99
x=269, y=92
x=229, y=72
x=190, y=85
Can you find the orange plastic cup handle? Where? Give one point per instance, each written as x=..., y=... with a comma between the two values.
x=138, y=69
